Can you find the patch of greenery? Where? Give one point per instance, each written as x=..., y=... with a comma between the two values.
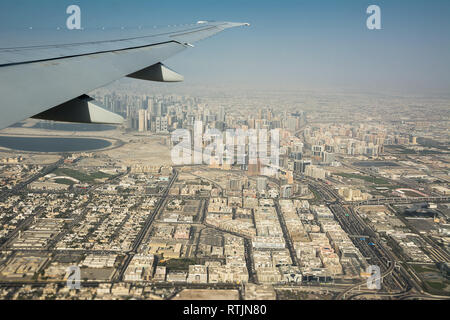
x=399, y=150
x=436, y=285
x=177, y=264
x=99, y=175
x=420, y=269
x=65, y=181
x=81, y=176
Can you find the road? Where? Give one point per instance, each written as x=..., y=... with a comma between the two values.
x=146, y=227
x=17, y=188
x=247, y=251
x=286, y=235
x=373, y=253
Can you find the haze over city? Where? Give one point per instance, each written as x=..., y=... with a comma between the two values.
x=291, y=44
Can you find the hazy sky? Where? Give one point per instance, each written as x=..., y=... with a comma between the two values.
x=290, y=44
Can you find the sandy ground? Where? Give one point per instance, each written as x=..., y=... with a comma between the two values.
x=205, y=294
x=143, y=149
x=148, y=150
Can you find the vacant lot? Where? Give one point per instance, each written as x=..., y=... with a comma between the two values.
x=205, y=294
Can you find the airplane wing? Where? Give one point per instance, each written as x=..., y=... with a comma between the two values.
x=49, y=80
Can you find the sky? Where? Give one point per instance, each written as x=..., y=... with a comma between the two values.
x=292, y=45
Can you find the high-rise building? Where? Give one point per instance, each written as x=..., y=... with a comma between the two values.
x=254, y=169
x=144, y=102
x=142, y=121
x=297, y=155
x=301, y=189
x=317, y=150
x=298, y=147
x=161, y=124
x=221, y=115
x=292, y=123
x=328, y=157
x=261, y=184
x=286, y=191
x=150, y=106
x=235, y=184
x=301, y=165
x=269, y=115
x=157, y=109
x=316, y=172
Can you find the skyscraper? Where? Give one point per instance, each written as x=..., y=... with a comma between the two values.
x=261, y=184
x=142, y=120
x=221, y=115
x=235, y=184
x=161, y=124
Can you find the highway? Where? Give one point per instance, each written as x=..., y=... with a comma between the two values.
x=400, y=200
x=402, y=280
x=373, y=253
x=146, y=227
x=434, y=250
x=287, y=238
x=396, y=280
x=403, y=181
x=17, y=188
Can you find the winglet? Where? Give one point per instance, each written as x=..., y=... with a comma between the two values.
x=204, y=30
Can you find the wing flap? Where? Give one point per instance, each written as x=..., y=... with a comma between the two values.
x=83, y=109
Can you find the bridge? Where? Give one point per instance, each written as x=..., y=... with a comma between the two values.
x=341, y=295
x=358, y=236
x=401, y=200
